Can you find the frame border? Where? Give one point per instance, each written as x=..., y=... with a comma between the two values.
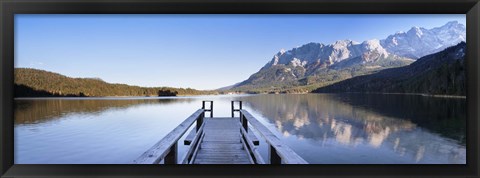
x=10, y=7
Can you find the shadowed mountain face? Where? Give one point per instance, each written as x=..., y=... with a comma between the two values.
x=439, y=73
x=371, y=117
x=316, y=64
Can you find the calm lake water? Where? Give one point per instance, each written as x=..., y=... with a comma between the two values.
x=321, y=128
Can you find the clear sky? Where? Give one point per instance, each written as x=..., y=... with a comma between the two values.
x=196, y=51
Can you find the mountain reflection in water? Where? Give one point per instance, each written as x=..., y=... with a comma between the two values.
x=410, y=126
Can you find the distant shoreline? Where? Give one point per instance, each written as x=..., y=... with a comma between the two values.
x=188, y=96
x=120, y=97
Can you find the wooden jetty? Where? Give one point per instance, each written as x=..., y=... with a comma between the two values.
x=220, y=140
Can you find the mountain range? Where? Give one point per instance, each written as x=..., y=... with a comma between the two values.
x=315, y=65
x=441, y=73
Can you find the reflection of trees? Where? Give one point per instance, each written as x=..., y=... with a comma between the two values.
x=445, y=116
x=34, y=111
x=317, y=116
x=395, y=121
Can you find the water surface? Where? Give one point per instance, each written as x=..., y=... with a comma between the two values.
x=321, y=128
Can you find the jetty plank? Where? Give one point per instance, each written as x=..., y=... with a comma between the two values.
x=222, y=143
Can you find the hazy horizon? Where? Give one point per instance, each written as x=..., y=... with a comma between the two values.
x=188, y=51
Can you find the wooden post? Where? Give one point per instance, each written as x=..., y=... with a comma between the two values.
x=245, y=123
x=200, y=120
x=171, y=157
x=211, y=108
x=274, y=158
x=240, y=105
x=233, y=109
x=203, y=104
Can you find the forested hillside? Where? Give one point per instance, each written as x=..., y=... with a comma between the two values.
x=441, y=73
x=33, y=83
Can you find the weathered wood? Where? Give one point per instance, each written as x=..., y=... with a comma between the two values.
x=223, y=161
x=220, y=146
x=248, y=152
x=223, y=140
x=211, y=109
x=222, y=143
x=286, y=154
x=192, y=151
x=208, y=110
x=196, y=150
x=193, y=133
x=233, y=109
x=244, y=122
x=214, y=151
x=273, y=156
x=194, y=146
x=158, y=151
x=253, y=149
x=171, y=157
x=190, y=137
x=209, y=154
x=200, y=121
x=253, y=137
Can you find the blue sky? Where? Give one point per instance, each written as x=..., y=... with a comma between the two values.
x=196, y=51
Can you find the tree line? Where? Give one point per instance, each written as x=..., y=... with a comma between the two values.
x=34, y=82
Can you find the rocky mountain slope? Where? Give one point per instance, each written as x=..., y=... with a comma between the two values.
x=315, y=65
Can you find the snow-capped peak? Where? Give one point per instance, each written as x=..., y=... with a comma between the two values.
x=414, y=43
x=415, y=32
x=418, y=42
x=373, y=49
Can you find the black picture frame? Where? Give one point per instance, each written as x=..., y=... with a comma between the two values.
x=10, y=7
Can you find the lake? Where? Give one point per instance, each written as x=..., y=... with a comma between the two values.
x=321, y=128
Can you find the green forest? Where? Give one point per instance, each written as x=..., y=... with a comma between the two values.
x=34, y=83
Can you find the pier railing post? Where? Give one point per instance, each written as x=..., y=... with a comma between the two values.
x=273, y=155
x=171, y=157
x=200, y=120
x=233, y=109
x=211, y=108
x=244, y=122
